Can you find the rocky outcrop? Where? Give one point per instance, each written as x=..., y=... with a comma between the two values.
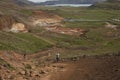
x=18, y=27
x=67, y=31
x=46, y=22
x=9, y=23
x=112, y=26
x=41, y=18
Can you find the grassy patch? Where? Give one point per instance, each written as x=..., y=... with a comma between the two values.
x=85, y=25
x=108, y=5
x=83, y=13
x=26, y=12
x=100, y=40
x=22, y=42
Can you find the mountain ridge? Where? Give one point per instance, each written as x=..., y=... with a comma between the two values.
x=30, y=3
x=70, y=2
x=24, y=2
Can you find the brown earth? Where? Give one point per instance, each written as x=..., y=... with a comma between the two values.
x=45, y=14
x=11, y=23
x=48, y=21
x=29, y=67
x=67, y=31
x=43, y=18
x=6, y=22
x=91, y=68
x=39, y=67
x=53, y=23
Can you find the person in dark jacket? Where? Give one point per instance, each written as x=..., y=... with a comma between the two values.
x=57, y=57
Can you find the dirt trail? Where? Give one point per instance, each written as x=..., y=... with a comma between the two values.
x=65, y=73
x=36, y=67
x=46, y=78
x=91, y=68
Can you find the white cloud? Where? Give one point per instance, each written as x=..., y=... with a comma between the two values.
x=39, y=0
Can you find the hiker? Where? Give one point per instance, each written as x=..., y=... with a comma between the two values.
x=57, y=57
x=24, y=55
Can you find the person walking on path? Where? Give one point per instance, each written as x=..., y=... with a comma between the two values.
x=57, y=57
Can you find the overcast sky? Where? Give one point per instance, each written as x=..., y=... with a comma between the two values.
x=40, y=0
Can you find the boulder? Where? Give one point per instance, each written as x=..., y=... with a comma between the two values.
x=112, y=26
x=18, y=27
x=22, y=72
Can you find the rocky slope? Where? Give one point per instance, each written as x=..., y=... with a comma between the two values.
x=17, y=18
x=9, y=16
x=31, y=67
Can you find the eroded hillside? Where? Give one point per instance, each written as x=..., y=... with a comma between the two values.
x=19, y=16
x=30, y=39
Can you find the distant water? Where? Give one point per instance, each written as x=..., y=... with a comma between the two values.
x=72, y=5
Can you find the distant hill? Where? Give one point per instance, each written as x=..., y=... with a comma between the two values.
x=29, y=3
x=109, y=4
x=23, y=2
x=70, y=2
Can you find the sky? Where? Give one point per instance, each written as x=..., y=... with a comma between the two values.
x=39, y=0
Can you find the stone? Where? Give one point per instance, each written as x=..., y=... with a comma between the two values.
x=42, y=72
x=18, y=27
x=22, y=72
x=10, y=77
x=34, y=73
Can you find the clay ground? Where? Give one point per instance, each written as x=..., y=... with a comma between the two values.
x=103, y=67
x=90, y=68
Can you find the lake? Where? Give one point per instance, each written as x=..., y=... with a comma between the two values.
x=72, y=5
